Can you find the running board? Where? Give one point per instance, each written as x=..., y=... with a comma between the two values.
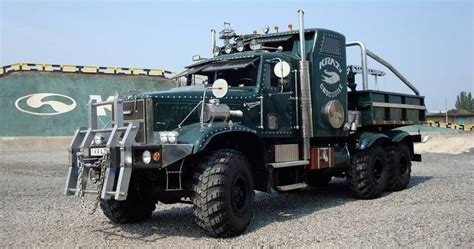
x=291, y=187
x=289, y=164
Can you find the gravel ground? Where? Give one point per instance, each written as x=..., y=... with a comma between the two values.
x=436, y=210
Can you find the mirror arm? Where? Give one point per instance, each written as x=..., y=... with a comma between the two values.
x=280, y=93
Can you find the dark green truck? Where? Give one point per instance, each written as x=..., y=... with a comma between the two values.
x=267, y=111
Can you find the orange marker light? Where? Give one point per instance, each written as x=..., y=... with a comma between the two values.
x=290, y=27
x=254, y=32
x=276, y=28
x=156, y=156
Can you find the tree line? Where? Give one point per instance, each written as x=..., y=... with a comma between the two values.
x=464, y=103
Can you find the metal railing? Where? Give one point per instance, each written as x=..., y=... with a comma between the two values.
x=84, y=69
x=364, y=52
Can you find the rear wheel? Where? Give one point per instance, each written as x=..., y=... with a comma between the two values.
x=400, y=171
x=138, y=206
x=223, y=194
x=368, y=173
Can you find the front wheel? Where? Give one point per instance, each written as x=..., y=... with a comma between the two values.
x=138, y=206
x=223, y=193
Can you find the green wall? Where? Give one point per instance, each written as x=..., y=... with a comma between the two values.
x=50, y=110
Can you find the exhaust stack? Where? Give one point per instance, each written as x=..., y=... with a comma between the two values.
x=306, y=109
x=213, y=41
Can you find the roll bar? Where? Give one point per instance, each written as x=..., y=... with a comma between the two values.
x=364, y=52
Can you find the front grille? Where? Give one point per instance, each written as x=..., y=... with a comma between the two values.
x=135, y=111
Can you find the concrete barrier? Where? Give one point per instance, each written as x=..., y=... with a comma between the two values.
x=51, y=103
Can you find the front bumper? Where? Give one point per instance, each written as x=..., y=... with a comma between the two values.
x=170, y=153
x=120, y=155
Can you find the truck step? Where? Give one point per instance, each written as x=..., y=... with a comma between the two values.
x=291, y=187
x=289, y=164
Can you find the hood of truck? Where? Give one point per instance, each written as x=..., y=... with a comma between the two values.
x=171, y=107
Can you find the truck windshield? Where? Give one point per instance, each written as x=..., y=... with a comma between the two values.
x=237, y=73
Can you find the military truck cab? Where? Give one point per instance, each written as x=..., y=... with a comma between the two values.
x=266, y=111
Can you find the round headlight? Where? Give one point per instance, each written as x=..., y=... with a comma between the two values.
x=254, y=45
x=228, y=48
x=173, y=137
x=163, y=136
x=216, y=51
x=334, y=112
x=98, y=139
x=240, y=46
x=146, y=157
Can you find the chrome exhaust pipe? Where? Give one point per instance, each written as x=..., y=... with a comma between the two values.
x=213, y=41
x=306, y=109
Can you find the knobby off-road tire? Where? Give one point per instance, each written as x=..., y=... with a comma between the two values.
x=368, y=173
x=223, y=193
x=400, y=171
x=138, y=206
x=317, y=179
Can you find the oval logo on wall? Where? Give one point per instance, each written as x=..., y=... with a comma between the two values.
x=45, y=104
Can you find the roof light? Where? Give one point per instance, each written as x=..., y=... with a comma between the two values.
x=276, y=28
x=254, y=45
x=290, y=27
x=240, y=46
x=216, y=51
x=228, y=48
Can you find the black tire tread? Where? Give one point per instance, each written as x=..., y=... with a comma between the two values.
x=134, y=209
x=396, y=182
x=357, y=174
x=209, y=196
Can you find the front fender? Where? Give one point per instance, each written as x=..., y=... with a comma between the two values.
x=200, y=137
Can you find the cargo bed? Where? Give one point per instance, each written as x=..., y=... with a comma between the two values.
x=387, y=108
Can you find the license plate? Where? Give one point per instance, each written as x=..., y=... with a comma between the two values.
x=99, y=151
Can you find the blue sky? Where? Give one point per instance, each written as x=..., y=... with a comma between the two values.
x=430, y=42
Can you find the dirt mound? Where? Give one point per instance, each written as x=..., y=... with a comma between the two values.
x=450, y=144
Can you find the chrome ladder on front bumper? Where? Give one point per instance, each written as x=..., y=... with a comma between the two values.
x=120, y=141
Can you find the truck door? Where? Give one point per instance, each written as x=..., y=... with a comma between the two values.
x=278, y=99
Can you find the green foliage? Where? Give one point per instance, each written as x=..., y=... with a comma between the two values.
x=464, y=102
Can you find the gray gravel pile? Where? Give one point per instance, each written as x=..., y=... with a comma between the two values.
x=436, y=210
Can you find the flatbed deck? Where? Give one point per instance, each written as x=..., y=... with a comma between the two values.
x=388, y=108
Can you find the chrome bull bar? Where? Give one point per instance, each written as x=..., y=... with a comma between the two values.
x=120, y=142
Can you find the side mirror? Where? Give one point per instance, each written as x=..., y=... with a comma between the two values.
x=220, y=88
x=282, y=69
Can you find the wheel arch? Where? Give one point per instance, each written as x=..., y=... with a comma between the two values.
x=237, y=137
x=251, y=145
x=397, y=136
x=365, y=140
